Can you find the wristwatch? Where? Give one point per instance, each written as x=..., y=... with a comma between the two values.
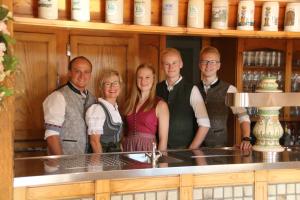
x=246, y=139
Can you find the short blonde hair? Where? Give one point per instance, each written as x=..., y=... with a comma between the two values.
x=170, y=51
x=107, y=74
x=210, y=49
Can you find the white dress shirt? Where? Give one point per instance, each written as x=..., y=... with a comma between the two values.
x=95, y=116
x=54, y=107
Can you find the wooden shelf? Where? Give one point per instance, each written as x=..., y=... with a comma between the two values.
x=67, y=24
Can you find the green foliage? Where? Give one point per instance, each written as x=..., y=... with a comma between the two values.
x=9, y=62
x=3, y=13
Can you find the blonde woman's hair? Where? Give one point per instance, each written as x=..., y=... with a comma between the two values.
x=210, y=49
x=107, y=74
x=136, y=93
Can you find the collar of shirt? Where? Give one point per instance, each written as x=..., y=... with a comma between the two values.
x=210, y=85
x=171, y=87
x=108, y=104
x=74, y=89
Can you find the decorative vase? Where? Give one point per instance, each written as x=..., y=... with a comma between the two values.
x=292, y=17
x=195, y=16
x=268, y=129
x=170, y=13
x=48, y=9
x=142, y=12
x=245, y=17
x=114, y=11
x=269, y=17
x=219, y=18
x=80, y=10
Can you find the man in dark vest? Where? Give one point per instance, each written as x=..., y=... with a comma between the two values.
x=189, y=121
x=64, y=111
x=214, y=92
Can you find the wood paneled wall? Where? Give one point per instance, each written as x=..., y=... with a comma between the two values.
x=43, y=58
x=36, y=79
x=97, y=9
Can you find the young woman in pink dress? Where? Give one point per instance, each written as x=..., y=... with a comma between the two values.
x=145, y=114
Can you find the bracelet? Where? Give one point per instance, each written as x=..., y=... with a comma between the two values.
x=246, y=139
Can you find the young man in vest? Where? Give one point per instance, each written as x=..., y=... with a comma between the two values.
x=189, y=121
x=64, y=111
x=214, y=92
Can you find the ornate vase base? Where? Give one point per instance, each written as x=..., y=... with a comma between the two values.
x=268, y=148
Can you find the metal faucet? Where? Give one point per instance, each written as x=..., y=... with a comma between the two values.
x=154, y=155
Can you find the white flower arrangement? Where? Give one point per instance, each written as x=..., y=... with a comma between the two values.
x=8, y=62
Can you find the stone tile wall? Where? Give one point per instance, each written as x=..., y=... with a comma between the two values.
x=284, y=191
x=156, y=195
x=244, y=192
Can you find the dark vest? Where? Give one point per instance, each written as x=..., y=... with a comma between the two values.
x=182, y=125
x=217, y=111
x=111, y=132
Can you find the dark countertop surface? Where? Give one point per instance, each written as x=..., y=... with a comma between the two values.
x=34, y=171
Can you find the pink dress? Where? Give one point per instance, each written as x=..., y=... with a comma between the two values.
x=141, y=130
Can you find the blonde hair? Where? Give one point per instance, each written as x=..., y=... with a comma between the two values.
x=107, y=74
x=170, y=51
x=210, y=49
x=136, y=93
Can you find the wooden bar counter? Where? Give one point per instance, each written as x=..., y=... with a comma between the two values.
x=220, y=173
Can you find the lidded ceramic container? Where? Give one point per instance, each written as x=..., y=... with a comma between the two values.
x=114, y=11
x=80, y=10
x=245, y=16
x=269, y=17
x=292, y=17
x=170, y=13
x=195, y=15
x=142, y=12
x=48, y=9
x=268, y=129
x=219, y=18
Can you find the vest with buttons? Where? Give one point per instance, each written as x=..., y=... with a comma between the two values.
x=182, y=125
x=74, y=130
x=217, y=111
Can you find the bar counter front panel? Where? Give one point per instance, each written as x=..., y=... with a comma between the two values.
x=207, y=173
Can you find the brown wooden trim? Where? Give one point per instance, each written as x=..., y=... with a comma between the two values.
x=144, y=184
x=223, y=179
x=61, y=191
x=261, y=186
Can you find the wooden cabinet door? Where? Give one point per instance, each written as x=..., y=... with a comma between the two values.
x=34, y=81
x=119, y=53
